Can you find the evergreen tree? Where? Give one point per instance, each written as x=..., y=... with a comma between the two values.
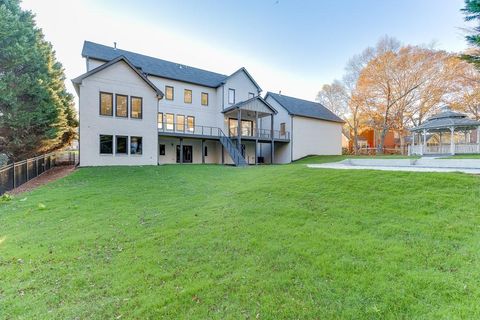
x=472, y=13
x=36, y=111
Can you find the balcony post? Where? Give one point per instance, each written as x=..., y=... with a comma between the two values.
x=272, y=149
x=203, y=151
x=181, y=150
x=239, y=129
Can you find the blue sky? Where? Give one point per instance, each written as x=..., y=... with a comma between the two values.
x=293, y=46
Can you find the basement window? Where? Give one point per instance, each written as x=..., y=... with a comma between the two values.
x=121, y=144
x=136, y=145
x=106, y=144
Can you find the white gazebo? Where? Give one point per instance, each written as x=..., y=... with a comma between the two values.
x=454, y=132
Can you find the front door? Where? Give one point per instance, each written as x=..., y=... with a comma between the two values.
x=187, y=154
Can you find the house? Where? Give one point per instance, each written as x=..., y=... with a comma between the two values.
x=139, y=110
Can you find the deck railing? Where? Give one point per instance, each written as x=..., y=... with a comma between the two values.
x=197, y=130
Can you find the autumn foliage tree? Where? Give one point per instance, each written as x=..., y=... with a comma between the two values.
x=36, y=111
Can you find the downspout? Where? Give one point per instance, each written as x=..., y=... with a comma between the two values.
x=291, y=138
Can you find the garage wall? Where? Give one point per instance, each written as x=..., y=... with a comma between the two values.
x=316, y=137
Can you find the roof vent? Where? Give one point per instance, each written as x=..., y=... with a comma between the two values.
x=115, y=46
x=280, y=92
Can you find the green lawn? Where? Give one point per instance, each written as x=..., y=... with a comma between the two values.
x=218, y=242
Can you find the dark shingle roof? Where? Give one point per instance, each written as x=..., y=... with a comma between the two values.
x=304, y=108
x=78, y=80
x=154, y=66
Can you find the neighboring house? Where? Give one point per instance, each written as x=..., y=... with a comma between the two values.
x=139, y=110
x=372, y=138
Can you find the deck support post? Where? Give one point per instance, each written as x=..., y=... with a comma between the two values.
x=239, y=129
x=452, y=140
x=203, y=151
x=181, y=150
x=272, y=149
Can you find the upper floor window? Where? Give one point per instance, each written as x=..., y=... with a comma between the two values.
x=121, y=105
x=251, y=95
x=204, y=99
x=106, y=104
x=282, y=129
x=169, y=121
x=136, y=106
x=160, y=120
x=180, y=122
x=187, y=96
x=106, y=144
x=168, y=92
x=191, y=123
x=231, y=96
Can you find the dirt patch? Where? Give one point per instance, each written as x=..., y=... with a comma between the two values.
x=46, y=177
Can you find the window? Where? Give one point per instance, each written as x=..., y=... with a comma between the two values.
x=168, y=93
x=282, y=128
x=106, y=144
x=204, y=99
x=231, y=96
x=106, y=104
x=162, y=149
x=160, y=120
x=251, y=95
x=121, y=105
x=205, y=151
x=121, y=144
x=135, y=145
x=180, y=122
x=187, y=96
x=169, y=122
x=191, y=123
x=136, y=106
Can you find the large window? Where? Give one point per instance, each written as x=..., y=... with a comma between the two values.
x=135, y=145
x=106, y=144
x=106, y=104
x=169, y=121
x=204, y=99
x=169, y=92
x=180, y=122
x=160, y=120
x=121, y=144
x=136, y=106
x=231, y=96
x=121, y=105
x=191, y=123
x=187, y=96
x=251, y=95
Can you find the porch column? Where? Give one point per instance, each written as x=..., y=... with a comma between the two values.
x=424, y=148
x=412, y=148
x=478, y=139
x=257, y=131
x=440, y=142
x=452, y=142
x=272, y=149
x=181, y=150
x=203, y=151
x=239, y=129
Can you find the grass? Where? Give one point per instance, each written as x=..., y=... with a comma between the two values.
x=267, y=242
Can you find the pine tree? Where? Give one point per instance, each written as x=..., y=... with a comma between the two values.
x=36, y=111
x=472, y=13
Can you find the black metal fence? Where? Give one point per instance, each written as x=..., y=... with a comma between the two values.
x=17, y=173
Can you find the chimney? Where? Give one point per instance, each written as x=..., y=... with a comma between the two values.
x=115, y=46
x=280, y=92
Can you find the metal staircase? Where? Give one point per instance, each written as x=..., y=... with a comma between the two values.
x=232, y=150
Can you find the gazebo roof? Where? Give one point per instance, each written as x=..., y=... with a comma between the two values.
x=446, y=119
